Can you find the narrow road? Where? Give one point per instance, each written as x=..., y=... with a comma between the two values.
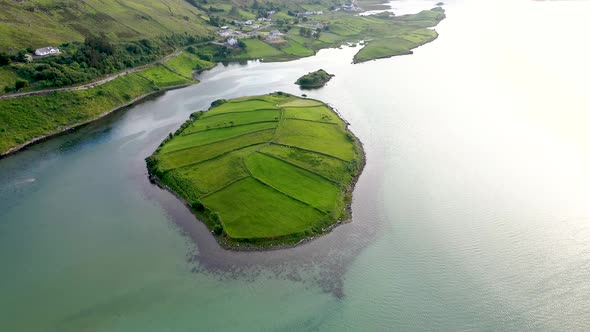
x=95, y=83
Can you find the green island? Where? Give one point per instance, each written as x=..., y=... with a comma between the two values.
x=313, y=80
x=262, y=171
x=110, y=54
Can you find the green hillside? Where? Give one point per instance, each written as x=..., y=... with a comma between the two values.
x=39, y=23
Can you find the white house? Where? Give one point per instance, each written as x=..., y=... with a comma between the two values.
x=232, y=42
x=46, y=51
x=349, y=8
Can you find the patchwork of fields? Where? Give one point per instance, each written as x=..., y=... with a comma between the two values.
x=263, y=169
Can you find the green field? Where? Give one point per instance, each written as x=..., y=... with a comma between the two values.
x=163, y=77
x=23, y=119
x=242, y=106
x=211, y=136
x=233, y=119
x=26, y=118
x=257, y=49
x=39, y=23
x=259, y=172
x=7, y=78
x=294, y=48
x=315, y=136
x=313, y=113
x=185, y=64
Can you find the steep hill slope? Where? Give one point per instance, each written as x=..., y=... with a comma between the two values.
x=38, y=23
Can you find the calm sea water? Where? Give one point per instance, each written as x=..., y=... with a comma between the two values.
x=472, y=213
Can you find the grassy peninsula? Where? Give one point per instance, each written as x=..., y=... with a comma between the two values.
x=313, y=80
x=263, y=170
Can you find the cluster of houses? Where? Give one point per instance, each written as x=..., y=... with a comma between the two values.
x=350, y=8
x=305, y=14
x=233, y=40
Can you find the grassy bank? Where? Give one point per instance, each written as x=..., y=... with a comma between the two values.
x=263, y=170
x=29, y=118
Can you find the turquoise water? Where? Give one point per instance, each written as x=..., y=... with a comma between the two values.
x=472, y=212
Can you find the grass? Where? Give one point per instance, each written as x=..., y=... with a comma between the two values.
x=388, y=36
x=295, y=181
x=257, y=49
x=215, y=135
x=7, y=78
x=388, y=47
x=23, y=119
x=247, y=186
x=69, y=20
x=163, y=77
x=253, y=211
x=221, y=172
x=26, y=118
x=186, y=63
x=294, y=48
x=241, y=106
x=329, y=167
x=301, y=103
x=313, y=113
x=232, y=119
x=325, y=138
x=197, y=154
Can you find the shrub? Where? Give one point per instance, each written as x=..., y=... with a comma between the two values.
x=4, y=59
x=218, y=229
x=218, y=102
x=21, y=84
x=197, y=205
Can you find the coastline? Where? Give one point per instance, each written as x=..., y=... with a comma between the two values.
x=409, y=52
x=71, y=128
x=60, y=131
x=281, y=242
